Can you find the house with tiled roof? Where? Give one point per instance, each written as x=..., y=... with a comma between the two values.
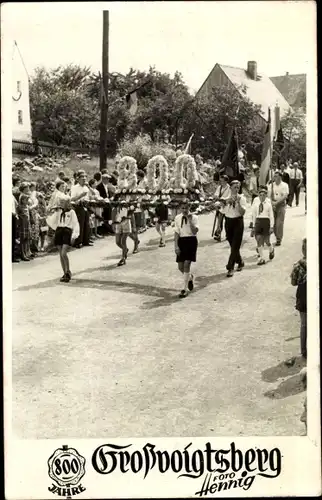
x=293, y=88
x=259, y=88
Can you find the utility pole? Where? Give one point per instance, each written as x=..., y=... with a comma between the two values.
x=104, y=92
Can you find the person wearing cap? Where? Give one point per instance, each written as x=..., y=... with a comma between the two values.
x=296, y=179
x=221, y=194
x=186, y=227
x=278, y=193
x=235, y=208
x=263, y=223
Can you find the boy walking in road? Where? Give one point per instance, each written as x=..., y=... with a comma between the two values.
x=185, y=245
x=263, y=222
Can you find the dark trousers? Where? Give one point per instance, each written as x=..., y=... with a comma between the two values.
x=84, y=229
x=294, y=191
x=303, y=333
x=234, y=232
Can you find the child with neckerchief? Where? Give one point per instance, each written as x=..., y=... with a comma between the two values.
x=186, y=227
x=66, y=233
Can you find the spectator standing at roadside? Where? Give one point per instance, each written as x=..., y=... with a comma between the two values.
x=34, y=219
x=24, y=219
x=14, y=230
x=43, y=228
x=298, y=278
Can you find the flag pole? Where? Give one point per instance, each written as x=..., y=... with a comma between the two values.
x=104, y=100
x=271, y=157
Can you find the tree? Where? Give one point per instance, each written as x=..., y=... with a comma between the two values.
x=294, y=130
x=61, y=111
x=212, y=118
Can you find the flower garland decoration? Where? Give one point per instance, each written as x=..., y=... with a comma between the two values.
x=185, y=162
x=163, y=180
x=151, y=174
x=122, y=182
x=132, y=177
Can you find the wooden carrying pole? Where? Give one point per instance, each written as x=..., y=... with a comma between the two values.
x=104, y=92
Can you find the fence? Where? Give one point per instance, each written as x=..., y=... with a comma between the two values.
x=28, y=148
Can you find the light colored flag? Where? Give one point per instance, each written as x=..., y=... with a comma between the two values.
x=266, y=153
x=187, y=149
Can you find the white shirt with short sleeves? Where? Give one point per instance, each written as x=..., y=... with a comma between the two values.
x=296, y=174
x=232, y=212
x=279, y=190
x=184, y=229
x=77, y=190
x=267, y=212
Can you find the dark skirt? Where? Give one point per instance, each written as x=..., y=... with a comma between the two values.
x=262, y=227
x=162, y=213
x=63, y=236
x=188, y=249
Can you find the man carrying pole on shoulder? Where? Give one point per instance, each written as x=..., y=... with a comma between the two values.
x=278, y=192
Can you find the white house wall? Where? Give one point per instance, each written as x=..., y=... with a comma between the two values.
x=21, y=106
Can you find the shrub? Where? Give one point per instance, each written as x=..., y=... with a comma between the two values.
x=142, y=149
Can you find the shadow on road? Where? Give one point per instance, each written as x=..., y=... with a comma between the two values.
x=292, y=385
x=283, y=369
x=289, y=387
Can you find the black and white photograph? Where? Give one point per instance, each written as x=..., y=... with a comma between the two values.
x=163, y=187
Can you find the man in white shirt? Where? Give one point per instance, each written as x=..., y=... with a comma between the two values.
x=278, y=193
x=235, y=208
x=263, y=223
x=296, y=179
x=222, y=193
x=186, y=227
x=81, y=211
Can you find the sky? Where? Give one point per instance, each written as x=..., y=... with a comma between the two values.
x=187, y=36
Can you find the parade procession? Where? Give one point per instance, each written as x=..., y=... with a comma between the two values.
x=158, y=248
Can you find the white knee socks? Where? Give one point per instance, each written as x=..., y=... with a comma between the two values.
x=260, y=251
x=186, y=277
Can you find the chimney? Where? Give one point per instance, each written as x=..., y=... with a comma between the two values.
x=252, y=69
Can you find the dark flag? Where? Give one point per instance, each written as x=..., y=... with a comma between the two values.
x=279, y=146
x=266, y=153
x=229, y=164
x=132, y=102
x=131, y=98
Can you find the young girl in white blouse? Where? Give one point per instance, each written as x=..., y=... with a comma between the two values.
x=185, y=244
x=66, y=226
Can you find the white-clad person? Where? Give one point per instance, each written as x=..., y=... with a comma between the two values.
x=186, y=227
x=235, y=208
x=278, y=192
x=296, y=180
x=263, y=223
x=222, y=193
x=81, y=189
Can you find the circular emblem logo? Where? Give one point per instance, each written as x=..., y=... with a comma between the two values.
x=66, y=466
